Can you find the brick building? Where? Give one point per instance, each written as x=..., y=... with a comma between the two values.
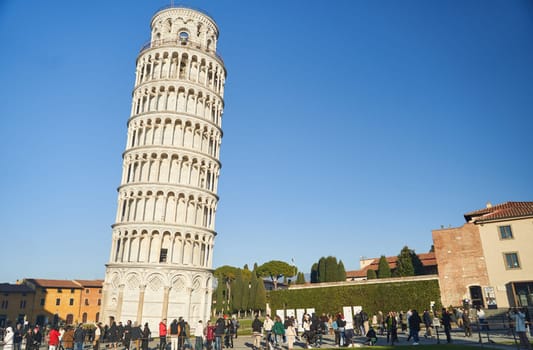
x=489, y=259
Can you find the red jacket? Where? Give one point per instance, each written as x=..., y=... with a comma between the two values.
x=162, y=329
x=53, y=337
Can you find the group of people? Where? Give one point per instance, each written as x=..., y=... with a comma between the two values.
x=210, y=336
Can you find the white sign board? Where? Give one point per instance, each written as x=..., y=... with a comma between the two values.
x=281, y=315
x=348, y=316
x=299, y=317
x=310, y=311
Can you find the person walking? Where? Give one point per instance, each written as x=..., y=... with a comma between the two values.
x=426, y=318
x=414, y=326
x=290, y=333
x=519, y=317
x=447, y=324
x=257, y=327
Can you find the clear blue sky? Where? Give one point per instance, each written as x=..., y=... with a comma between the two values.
x=351, y=128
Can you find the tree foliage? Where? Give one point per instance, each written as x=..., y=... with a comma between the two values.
x=404, y=266
x=383, y=268
x=300, y=279
x=314, y=273
x=275, y=269
x=373, y=297
x=371, y=274
x=409, y=263
x=328, y=270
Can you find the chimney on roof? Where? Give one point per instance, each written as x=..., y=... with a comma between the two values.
x=489, y=205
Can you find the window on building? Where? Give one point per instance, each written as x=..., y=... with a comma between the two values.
x=72, y=291
x=505, y=232
x=42, y=302
x=163, y=255
x=71, y=302
x=99, y=302
x=84, y=317
x=59, y=290
x=23, y=304
x=511, y=260
x=58, y=301
x=99, y=291
x=87, y=291
x=86, y=301
x=4, y=304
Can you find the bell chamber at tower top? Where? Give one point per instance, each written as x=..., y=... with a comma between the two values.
x=183, y=26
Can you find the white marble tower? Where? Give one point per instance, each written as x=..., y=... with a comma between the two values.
x=162, y=248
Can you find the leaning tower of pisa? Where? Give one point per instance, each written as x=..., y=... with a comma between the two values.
x=160, y=264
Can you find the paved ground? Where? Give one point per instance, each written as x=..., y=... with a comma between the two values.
x=494, y=340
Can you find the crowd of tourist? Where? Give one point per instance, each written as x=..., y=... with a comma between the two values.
x=273, y=333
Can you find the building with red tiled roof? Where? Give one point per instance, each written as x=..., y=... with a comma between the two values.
x=63, y=301
x=488, y=260
x=429, y=264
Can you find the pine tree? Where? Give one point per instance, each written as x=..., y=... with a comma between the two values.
x=383, y=268
x=371, y=274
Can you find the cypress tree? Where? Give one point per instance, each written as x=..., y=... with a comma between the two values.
x=383, y=268
x=237, y=295
x=322, y=270
x=331, y=269
x=341, y=272
x=314, y=273
x=300, y=279
x=405, y=263
x=371, y=274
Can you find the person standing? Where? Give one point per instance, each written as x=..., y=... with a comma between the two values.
x=174, y=332
x=79, y=337
x=112, y=334
x=519, y=317
x=9, y=338
x=145, y=336
x=17, y=337
x=267, y=326
x=97, y=336
x=466, y=323
x=53, y=339
x=68, y=338
x=290, y=333
x=392, y=327
x=163, y=334
x=279, y=331
x=220, y=330
x=257, y=327
x=127, y=335
x=414, y=326
x=447, y=324
x=136, y=335
x=481, y=318
x=209, y=335
x=199, y=336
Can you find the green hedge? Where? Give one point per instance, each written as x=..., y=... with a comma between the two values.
x=384, y=297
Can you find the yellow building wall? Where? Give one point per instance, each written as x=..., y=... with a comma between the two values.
x=67, y=309
x=15, y=306
x=494, y=249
